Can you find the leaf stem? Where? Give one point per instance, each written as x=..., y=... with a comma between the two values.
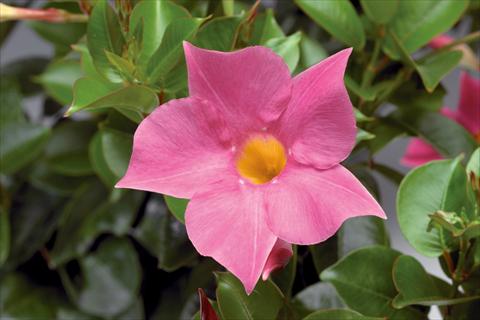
x=371, y=70
x=67, y=284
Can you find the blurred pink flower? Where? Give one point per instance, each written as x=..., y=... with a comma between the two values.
x=469, y=58
x=258, y=154
x=468, y=115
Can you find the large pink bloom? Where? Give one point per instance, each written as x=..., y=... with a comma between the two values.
x=468, y=115
x=258, y=154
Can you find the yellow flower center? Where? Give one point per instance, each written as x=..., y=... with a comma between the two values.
x=261, y=159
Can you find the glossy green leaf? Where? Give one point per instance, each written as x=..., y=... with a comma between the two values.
x=219, y=34
x=171, y=49
x=364, y=282
x=433, y=69
x=116, y=148
x=320, y=295
x=32, y=223
x=287, y=48
x=104, y=33
x=473, y=166
x=43, y=177
x=66, y=151
x=324, y=254
x=340, y=314
x=23, y=71
x=99, y=164
x=412, y=95
x=361, y=232
x=4, y=235
x=263, y=303
x=155, y=16
x=339, y=18
x=380, y=11
x=93, y=95
x=421, y=193
x=177, y=207
x=417, y=22
x=10, y=103
x=385, y=131
x=124, y=66
x=21, y=144
x=415, y=286
x=447, y=136
x=112, y=277
x=58, y=79
x=265, y=28
x=164, y=237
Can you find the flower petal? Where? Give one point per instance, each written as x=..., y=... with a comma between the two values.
x=180, y=147
x=419, y=152
x=306, y=206
x=319, y=124
x=469, y=106
x=278, y=258
x=251, y=87
x=226, y=222
x=440, y=41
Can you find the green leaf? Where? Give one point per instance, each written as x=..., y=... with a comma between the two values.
x=417, y=287
x=320, y=295
x=265, y=27
x=66, y=151
x=87, y=215
x=112, y=277
x=31, y=224
x=10, y=103
x=364, y=282
x=363, y=135
x=385, y=131
x=411, y=95
x=448, y=137
x=164, y=237
x=171, y=49
x=360, y=117
x=155, y=16
x=219, y=33
x=93, y=95
x=4, y=235
x=263, y=303
x=99, y=164
x=177, y=207
x=380, y=11
x=421, y=193
x=104, y=33
x=324, y=254
x=124, y=66
x=287, y=48
x=23, y=70
x=340, y=314
x=339, y=18
x=58, y=79
x=116, y=148
x=367, y=94
x=311, y=52
x=433, y=69
x=21, y=144
x=361, y=232
x=44, y=178
x=417, y=22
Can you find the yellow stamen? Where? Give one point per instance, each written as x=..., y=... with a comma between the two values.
x=261, y=159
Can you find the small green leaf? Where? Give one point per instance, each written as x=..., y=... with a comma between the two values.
x=361, y=232
x=311, y=52
x=99, y=164
x=421, y=193
x=124, y=66
x=164, y=237
x=117, y=148
x=265, y=28
x=417, y=22
x=411, y=95
x=21, y=144
x=380, y=11
x=363, y=135
x=156, y=17
x=433, y=69
x=93, y=95
x=417, y=287
x=263, y=303
x=473, y=167
x=58, y=79
x=104, y=33
x=287, y=48
x=219, y=33
x=171, y=49
x=177, y=207
x=324, y=254
x=340, y=314
x=364, y=282
x=4, y=235
x=338, y=17
x=367, y=94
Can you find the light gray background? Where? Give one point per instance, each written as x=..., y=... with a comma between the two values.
x=24, y=43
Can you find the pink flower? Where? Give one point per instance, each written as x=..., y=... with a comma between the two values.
x=469, y=58
x=258, y=154
x=468, y=115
